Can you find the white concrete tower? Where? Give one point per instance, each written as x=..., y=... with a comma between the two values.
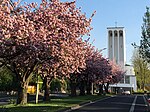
x=116, y=45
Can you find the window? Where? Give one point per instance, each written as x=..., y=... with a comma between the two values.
x=127, y=79
x=116, y=33
x=121, y=33
x=110, y=33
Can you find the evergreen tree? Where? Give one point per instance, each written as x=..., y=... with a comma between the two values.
x=145, y=38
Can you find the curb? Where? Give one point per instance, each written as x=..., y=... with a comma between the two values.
x=68, y=109
x=64, y=110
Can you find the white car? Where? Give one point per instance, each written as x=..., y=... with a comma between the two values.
x=126, y=93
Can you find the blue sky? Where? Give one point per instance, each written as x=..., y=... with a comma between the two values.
x=127, y=13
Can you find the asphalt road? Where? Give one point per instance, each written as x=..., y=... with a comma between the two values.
x=123, y=103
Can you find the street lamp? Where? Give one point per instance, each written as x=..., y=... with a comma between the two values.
x=103, y=49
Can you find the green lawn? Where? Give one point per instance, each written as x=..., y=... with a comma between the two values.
x=54, y=105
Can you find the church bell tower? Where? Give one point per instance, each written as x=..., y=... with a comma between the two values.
x=116, y=45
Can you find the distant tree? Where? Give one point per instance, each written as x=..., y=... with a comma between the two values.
x=142, y=69
x=97, y=70
x=55, y=85
x=115, y=76
x=7, y=80
x=117, y=73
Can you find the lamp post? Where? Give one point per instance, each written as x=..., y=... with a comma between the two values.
x=37, y=89
x=103, y=49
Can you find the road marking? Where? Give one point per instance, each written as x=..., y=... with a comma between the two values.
x=133, y=105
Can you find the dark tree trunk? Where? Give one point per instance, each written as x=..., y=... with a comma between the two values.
x=106, y=87
x=100, y=89
x=46, y=89
x=73, y=88
x=82, y=88
x=143, y=86
x=22, y=93
x=88, y=88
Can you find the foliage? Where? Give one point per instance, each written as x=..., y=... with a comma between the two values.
x=67, y=49
x=45, y=38
x=145, y=38
x=55, y=85
x=58, y=85
x=99, y=70
x=33, y=80
x=7, y=80
x=142, y=69
x=142, y=59
x=97, y=67
x=117, y=73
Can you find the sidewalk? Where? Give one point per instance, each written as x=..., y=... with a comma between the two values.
x=3, y=103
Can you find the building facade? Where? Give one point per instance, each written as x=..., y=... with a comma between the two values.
x=117, y=53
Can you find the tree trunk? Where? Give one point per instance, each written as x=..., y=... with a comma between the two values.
x=88, y=88
x=46, y=89
x=82, y=88
x=142, y=87
x=106, y=87
x=73, y=88
x=100, y=89
x=22, y=93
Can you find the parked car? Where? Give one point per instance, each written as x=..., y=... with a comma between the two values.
x=126, y=93
x=148, y=100
x=148, y=103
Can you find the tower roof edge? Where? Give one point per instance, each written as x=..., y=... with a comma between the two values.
x=115, y=27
